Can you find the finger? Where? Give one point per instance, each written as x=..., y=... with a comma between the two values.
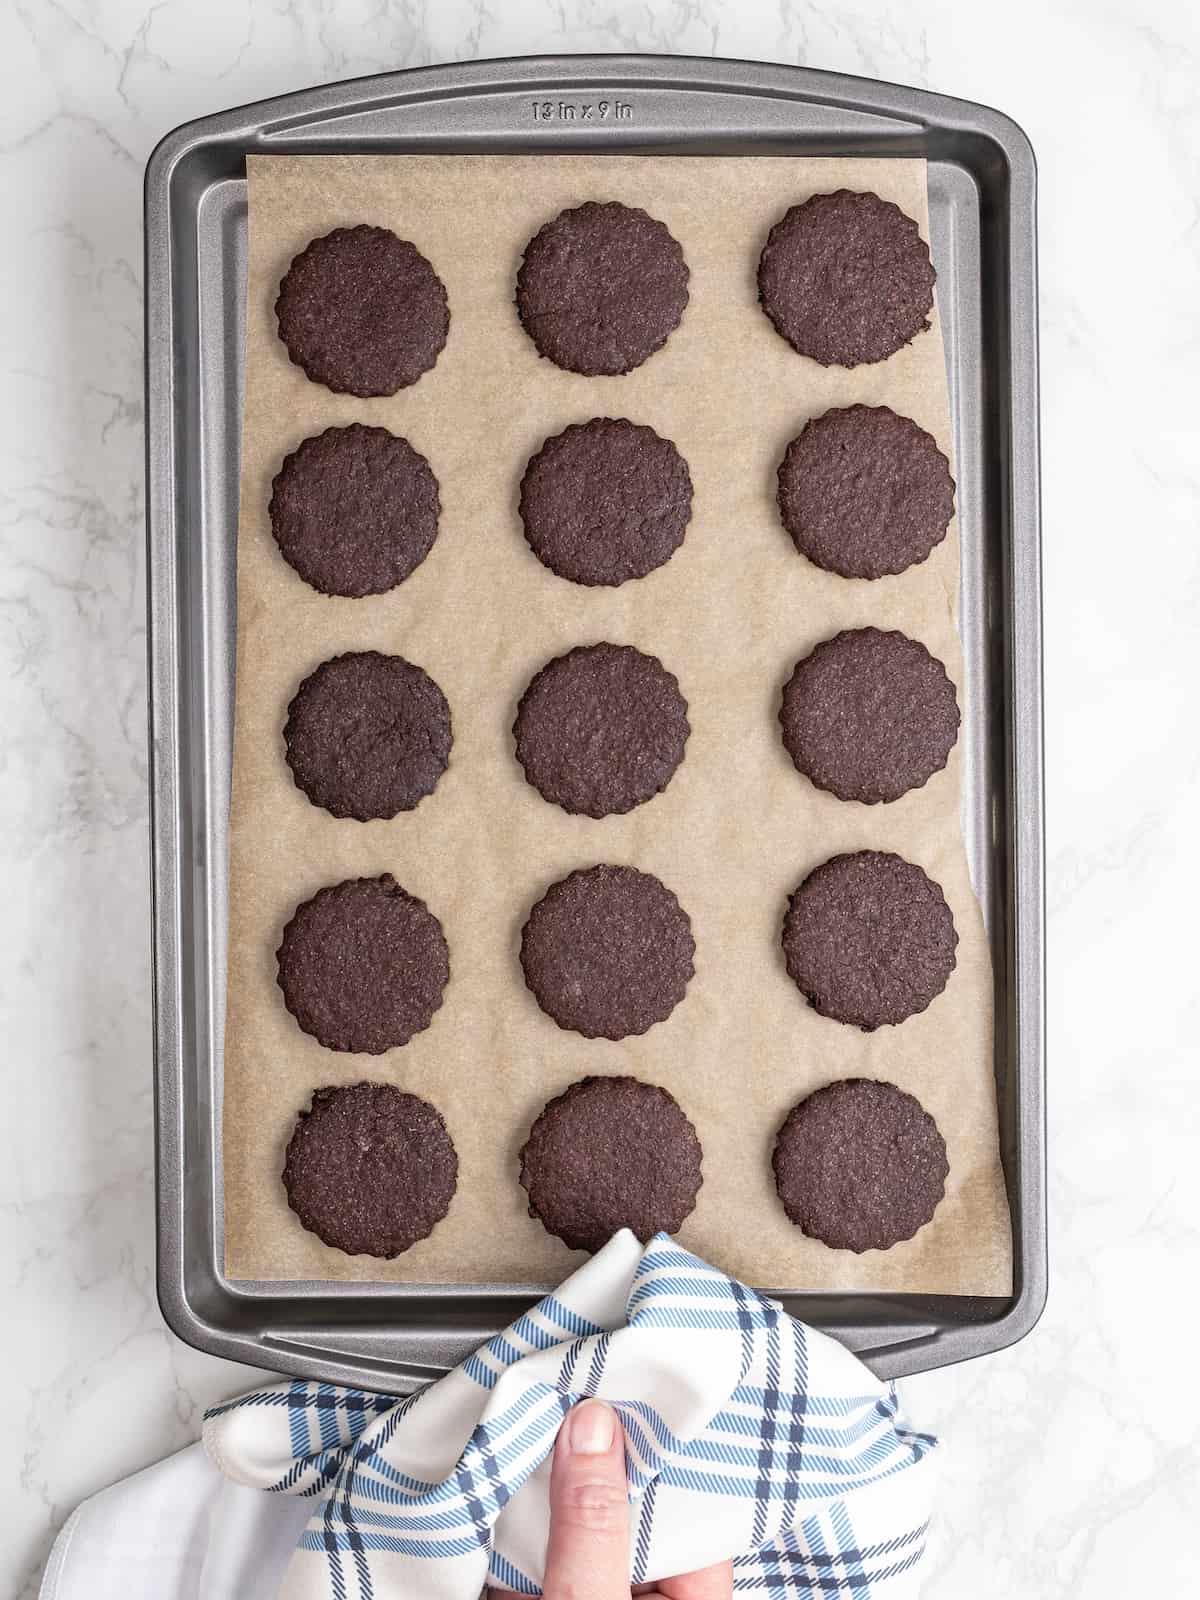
x=714, y=1583
x=588, y=1554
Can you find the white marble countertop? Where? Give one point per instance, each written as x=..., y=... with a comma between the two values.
x=1071, y=1460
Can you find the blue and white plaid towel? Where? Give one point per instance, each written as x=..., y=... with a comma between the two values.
x=748, y=1435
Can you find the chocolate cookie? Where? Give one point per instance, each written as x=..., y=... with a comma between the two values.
x=608, y=952
x=846, y=278
x=355, y=510
x=869, y=939
x=605, y=501
x=363, y=964
x=362, y=311
x=869, y=715
x=601, y=288
x=864, y=492
x=601, y=729
x=370, y=1169
x=367, y=735
x=611, y=1153
x=860, y=1165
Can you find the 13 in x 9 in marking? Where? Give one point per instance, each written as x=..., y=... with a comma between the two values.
x=581, y=110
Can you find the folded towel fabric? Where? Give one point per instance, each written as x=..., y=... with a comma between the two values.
x=748, y=1436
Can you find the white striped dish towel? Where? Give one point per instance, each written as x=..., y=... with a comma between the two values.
x=748, y=1435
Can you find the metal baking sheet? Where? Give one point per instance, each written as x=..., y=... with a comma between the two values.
x=982, y=221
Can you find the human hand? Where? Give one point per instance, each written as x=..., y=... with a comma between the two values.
x=588, y=1553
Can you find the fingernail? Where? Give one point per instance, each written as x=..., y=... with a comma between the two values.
x=591, y=1429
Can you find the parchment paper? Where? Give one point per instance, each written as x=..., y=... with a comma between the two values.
x=732, y=835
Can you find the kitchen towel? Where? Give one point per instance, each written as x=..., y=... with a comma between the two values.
x=175, y=1531
x=748, y=1435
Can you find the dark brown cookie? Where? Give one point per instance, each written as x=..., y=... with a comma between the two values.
x=355, y=510
x=864, y=492
x=363, y=964
x=601, y=288
x=367, y=735
x=869, y=939
x=362, y=311
x=605, y=501
x=611, y=1153
x=608, y=952
x=370, y=1169
x=860, y=1165
x=846, y=278
x=601, y=729
x=869, y=715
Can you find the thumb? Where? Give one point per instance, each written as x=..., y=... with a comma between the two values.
x=588, y=1554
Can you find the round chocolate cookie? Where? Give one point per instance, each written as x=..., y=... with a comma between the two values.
x=601, y=729
x=860, y=1165
x=608, y=952
x=611, y=1153
x=367, y=735
x=869, y=715
x=864, y=492
x=605, y=501
x=601, y=288
x=846, y=278
x=362, y=311
x=354, y=510
x=370, y=1169
x=869, y=939
x=363, y=964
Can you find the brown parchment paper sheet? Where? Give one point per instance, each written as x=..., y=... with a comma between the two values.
x=734, y=832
